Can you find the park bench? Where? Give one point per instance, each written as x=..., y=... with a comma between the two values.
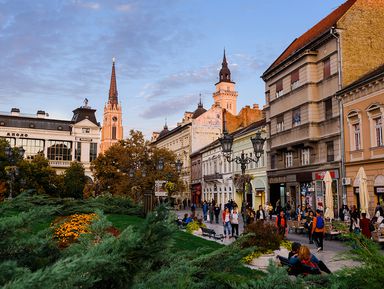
x=212, y=234
x=295, y=226
x=330, y=232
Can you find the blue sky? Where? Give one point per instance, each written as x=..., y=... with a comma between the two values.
x=55, y=53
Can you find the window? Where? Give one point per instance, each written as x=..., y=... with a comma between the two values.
x=78, y=152
x=279, y=88
x=330, y=152
x=328, y=108
x=295, y=79
x=92, y=151
x=296, y=117
x=305, y=156
x=59, y=150
x=280, y=123
x=86, y=130
x=113, y=132
x=379, y=131
x=357, y=136
x=288, y=159
x=267, y=97
x=327, y=68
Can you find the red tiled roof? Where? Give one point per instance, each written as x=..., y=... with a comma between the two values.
x=316, y=31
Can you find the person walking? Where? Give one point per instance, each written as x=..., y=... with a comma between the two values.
x=217, y=213
x=260, y=214
x=308, y=225
x=281, y=224
x=235, y=222
x=226, y=222
x=205, y=210
x=211, y=212
x=318, y=230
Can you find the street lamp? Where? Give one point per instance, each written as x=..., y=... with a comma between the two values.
x=12, y=170
x=226, y=144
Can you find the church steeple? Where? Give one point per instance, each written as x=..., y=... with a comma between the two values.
x=112, y=99
x=225, y=73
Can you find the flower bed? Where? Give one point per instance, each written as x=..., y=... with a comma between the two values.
x=67, y=230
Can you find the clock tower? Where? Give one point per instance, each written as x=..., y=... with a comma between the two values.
x=112, y=129
x=225, y=94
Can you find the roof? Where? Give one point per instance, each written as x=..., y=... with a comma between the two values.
x=366, y=78
x=312, y=34
x=170, y=132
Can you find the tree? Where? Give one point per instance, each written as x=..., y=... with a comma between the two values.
x=74, y=181
x=129, y=167
x=38, y=175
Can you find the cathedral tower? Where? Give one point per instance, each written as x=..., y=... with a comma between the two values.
x=225, y=94
x=112, y=129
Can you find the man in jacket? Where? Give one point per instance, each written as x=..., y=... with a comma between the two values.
x=318, y=230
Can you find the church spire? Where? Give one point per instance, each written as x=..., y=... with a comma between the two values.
x=225, y=73
x=112, y=99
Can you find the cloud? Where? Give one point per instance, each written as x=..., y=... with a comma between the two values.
x=181, y=79
x=169, y=106
x=87, y=5
x=125, y=7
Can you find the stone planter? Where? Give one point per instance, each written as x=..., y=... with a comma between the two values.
x=262, y=262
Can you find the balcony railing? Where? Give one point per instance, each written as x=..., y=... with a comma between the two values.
x=213, y=177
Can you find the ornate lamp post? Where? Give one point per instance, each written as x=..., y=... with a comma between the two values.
x=226, y=144
x=149, y=195
x=12, y=170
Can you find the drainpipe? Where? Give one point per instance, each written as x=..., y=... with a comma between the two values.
x=334, y=33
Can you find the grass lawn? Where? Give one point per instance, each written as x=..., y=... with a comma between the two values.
x=183, y=240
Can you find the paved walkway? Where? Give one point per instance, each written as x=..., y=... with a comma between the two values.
x=331, y=255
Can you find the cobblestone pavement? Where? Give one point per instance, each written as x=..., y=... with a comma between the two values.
x=331, y=255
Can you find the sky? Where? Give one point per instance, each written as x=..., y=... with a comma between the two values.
x=56, y=53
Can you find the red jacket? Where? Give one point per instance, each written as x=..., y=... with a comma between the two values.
x=364, y=225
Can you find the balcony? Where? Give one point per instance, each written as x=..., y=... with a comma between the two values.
x=214, y=177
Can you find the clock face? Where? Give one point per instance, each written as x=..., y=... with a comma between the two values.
x=114, y=118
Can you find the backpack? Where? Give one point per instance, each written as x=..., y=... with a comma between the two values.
x=319, y=222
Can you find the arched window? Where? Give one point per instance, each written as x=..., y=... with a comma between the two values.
x=354, y=121
x=375, y=115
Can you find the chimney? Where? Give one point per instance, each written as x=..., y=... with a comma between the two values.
x=40, y=114
x=255, y=106
x=15, y=111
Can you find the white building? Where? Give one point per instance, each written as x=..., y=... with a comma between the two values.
x=61, y=141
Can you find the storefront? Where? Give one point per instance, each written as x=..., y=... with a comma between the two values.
x=319, y=190
x=378, y=188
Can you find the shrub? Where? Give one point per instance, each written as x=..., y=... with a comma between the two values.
x=194, y=226
x=262, y=235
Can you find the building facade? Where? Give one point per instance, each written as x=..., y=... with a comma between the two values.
x=206, y=126
x=61, y=141
x=363, y=106
x=303, y=115
x=112, y=129
x=257, y=188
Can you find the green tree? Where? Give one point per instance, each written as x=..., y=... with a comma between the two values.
x=129, y=167
x=74, y=181
x=38, y=175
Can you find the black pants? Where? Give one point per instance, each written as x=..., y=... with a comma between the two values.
x=235, y=227
x=318, y=238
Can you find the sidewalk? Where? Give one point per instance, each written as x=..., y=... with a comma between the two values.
x=331, y=255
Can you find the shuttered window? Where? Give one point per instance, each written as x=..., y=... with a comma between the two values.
x=295, y=76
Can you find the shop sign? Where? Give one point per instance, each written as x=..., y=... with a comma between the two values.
x=16, y=134
x=320, y=175
x=277, y=180
x=380, y=190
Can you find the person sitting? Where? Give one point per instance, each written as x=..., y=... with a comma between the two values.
x=309, y=262
x=186, y=220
